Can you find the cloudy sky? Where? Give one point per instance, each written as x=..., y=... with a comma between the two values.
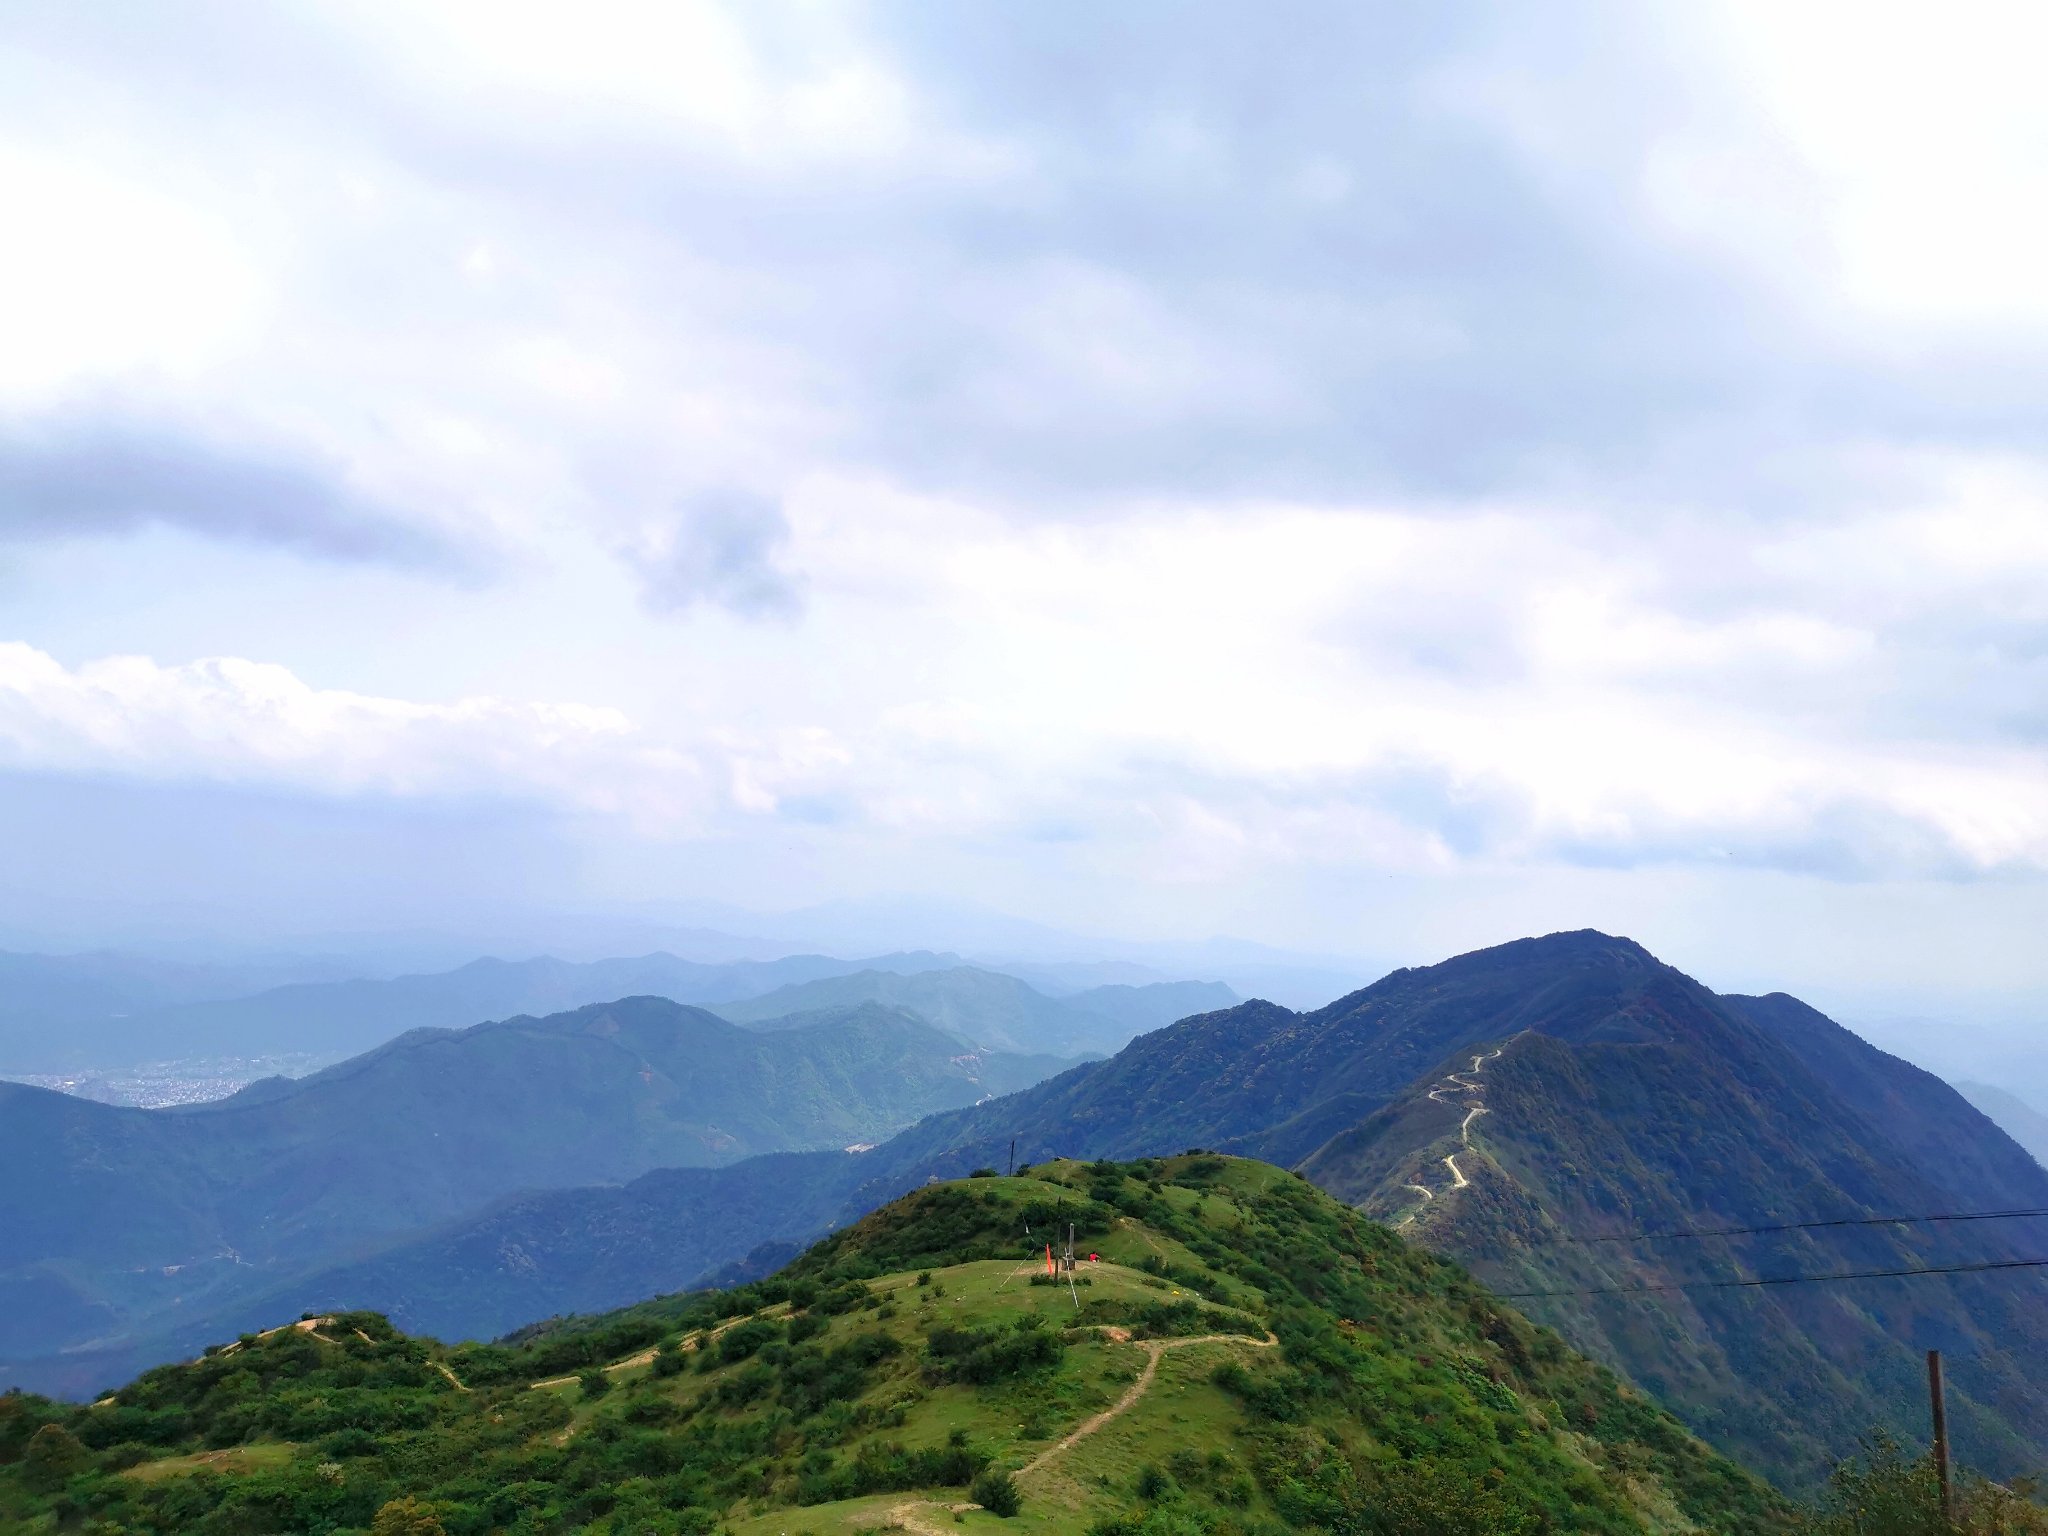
x=1369, y=479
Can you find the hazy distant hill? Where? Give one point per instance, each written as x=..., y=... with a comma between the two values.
x=346, y=1017
x=111, y=1217
x=996, y=1010
x=40, y=990
x=2014, y=1115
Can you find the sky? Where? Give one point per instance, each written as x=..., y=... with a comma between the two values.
x=1368, y=479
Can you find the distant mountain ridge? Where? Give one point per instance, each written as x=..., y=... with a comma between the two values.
x=61, y=989
x=344, y=1018
x=995, y=1010
x=2015, y=1116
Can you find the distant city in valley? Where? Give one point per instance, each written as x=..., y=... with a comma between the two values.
x=155, y=1084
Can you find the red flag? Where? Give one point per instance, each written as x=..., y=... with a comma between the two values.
x=1048, y=1258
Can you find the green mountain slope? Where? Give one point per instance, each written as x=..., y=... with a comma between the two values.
x=1249, y=1356
x=1668, y=1109
x=997, y=1072
x=111, y=1218
x=996, y=1011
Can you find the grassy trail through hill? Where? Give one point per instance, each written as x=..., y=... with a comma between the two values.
x=1153, y=1348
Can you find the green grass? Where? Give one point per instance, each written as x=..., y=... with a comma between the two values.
x=232, y=1459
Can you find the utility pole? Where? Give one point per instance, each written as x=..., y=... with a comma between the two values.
x=1940, y=1408
x=1013, y=1157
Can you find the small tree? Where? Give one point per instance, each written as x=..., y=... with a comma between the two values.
x=996, y=1492
x=54, y=1456
x=594, y=1383
x=1882, y=1493
x=406, y=1517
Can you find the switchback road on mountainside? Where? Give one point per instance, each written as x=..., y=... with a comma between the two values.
x=1465, y=1083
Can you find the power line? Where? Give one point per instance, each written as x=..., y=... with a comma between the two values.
x=1796, y=1226
x=1717, y=1285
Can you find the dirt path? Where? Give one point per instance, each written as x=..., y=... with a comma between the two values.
x=453, y=1380
x=906, y=1515
x=694, y=1341
x=1466, y=1085
x=1153, y=1348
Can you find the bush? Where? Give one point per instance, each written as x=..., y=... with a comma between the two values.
x=996, y=1492
x=405, y=1517
x=982, y=1173
x=594, y=1383
x=981, y=1356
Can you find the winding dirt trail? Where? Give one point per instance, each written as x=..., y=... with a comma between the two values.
x=909, y=1514
x=1153, y=1348
x=1466, y=1085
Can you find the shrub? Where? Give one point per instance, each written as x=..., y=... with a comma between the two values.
x=981, y=1356
x=982, y=1173
x=594, y=1383
x=996, y=1492
x=405, y=1517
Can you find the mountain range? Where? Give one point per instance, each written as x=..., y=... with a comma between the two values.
x=96, y=1011
x=1626, y=1099
x=1537, y=1110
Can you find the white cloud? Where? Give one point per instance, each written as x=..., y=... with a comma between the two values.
x=104, y=278
x=229, y=720
x=1474, y=451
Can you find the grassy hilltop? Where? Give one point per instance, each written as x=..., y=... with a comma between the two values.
x=1248, y=1357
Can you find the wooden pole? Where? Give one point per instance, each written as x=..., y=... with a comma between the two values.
x=1939, y=1406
